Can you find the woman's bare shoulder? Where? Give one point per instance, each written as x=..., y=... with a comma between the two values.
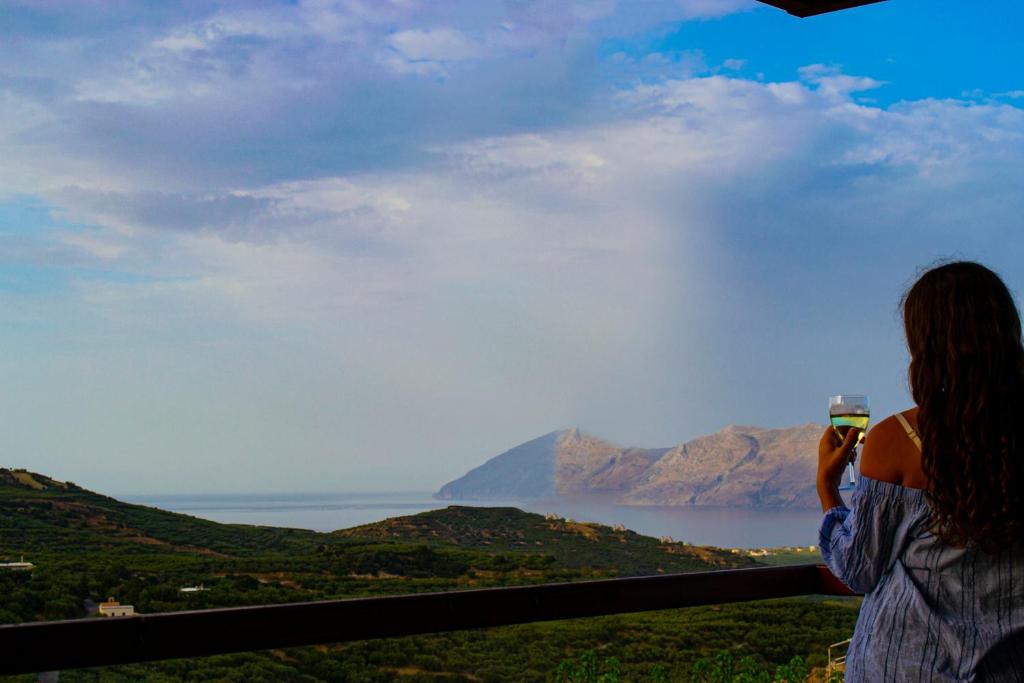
x=885, y=430
x=885, y=455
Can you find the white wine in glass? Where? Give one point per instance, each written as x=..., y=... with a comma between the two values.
x=847, y=412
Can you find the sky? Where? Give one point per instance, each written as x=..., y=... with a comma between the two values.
x=344, y=245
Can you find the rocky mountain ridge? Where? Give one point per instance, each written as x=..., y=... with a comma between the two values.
x=739, y=465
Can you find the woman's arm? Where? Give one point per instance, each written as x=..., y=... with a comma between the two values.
x=859, y=543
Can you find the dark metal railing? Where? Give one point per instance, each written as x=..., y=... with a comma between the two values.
x=56, y=645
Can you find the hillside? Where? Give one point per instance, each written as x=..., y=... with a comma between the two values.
x=568, y=543
x=745, y=466
x=41, y=515
x=38, y=513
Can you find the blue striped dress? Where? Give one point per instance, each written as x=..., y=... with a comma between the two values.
x=930, y=612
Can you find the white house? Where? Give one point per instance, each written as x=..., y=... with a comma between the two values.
x=112, y=608
x=22, y=566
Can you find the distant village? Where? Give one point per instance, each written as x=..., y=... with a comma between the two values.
x=765, y=552
x=750, y=552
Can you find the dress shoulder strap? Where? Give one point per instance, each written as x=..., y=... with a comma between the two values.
x=910, y=430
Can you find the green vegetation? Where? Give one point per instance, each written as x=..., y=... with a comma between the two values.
x=724, y=668
x=510, y=532
x=87, y=547
x=51, y=516
x=589, y=670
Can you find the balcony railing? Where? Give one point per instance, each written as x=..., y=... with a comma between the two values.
x=57, y=645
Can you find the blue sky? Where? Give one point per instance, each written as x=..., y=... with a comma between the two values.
x=341, y=245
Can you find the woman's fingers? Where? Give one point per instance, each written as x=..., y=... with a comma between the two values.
x=831, y=441
x=850, y=442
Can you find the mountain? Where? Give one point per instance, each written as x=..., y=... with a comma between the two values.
x=559, y=463
x=747, y=466
x=736, y=466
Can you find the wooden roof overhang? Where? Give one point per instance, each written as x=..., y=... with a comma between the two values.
x=808, y=8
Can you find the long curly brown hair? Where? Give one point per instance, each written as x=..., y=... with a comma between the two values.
x=967, y=378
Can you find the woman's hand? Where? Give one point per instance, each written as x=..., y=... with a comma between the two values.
x=833, y=455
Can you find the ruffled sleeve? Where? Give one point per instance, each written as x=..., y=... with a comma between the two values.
x=861, y=543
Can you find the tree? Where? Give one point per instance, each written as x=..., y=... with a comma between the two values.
x=587, y=670
x=723, y=668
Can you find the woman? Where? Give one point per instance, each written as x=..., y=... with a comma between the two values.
x=934, y=535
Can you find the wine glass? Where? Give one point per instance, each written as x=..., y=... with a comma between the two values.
x=847, y=412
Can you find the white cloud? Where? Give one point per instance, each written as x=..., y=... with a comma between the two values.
x=103, y=246
x=437, y=45
x=707, y=9
x=515, y=245
x=505, y=208
x=574, y=233
x=834, y=84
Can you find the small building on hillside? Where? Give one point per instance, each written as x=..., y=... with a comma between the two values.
x=192, y=589
x=112, y=608
x=21, y=566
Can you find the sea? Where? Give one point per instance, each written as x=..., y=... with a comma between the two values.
x=725, y=527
